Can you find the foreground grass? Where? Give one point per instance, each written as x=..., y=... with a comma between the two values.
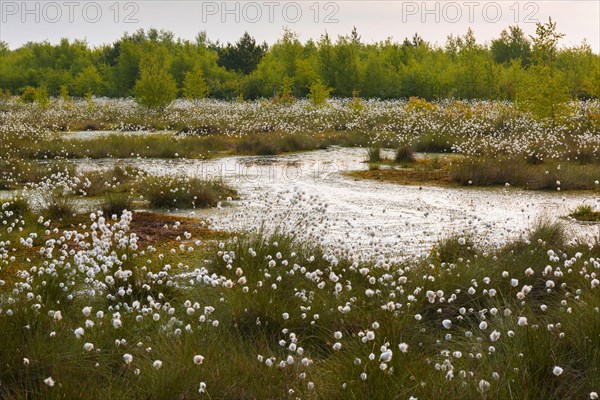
x=272, y=316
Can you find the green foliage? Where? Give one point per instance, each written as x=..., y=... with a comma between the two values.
x=356, y=104
x=89, y=100
x=194, y=85
x=41, y=97
x=88, y=80
x=319, y=93
x=462, y=68
x=28, y=95
x=510, y=46
x=155, y=88
x=546, y=91
x=243, y=56
x=64, y=94
x=286, y=95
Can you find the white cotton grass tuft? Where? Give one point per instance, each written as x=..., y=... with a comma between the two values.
x=483, y=386
x=127, y=358
x=49, y=381
x=494, y=336
x=79, y=332
x=557, y=370
x=198, y=359
x=157, y=364
x=88, y=347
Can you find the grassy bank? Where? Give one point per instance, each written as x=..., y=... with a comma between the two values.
x=485, y=171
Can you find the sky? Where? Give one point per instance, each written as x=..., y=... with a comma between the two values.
x=104, y=21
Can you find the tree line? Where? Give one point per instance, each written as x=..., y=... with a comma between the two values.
x=156, y=67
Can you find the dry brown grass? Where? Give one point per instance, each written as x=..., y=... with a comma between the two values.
x=155, y=227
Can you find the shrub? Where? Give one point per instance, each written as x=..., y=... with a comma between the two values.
x=28, y=95
x=356, y=104
x=155, y=88
x=194, y=85
x=318, y=93
x=41, y=97
x=286, y=96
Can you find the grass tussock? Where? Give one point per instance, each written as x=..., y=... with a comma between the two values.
x=16, y=206
x=58, y=206
x=586, y=213
x=118, y=179
x=183, y=192
x=116, y=203
x=374, y=155
x=404, y=154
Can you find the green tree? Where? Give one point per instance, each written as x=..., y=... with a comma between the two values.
x=155, y=88
x=511, y=45
x=546, y=90
x=88, y=80
x=319, y=93
x=194, y=85
x=243, y=56
x=41, y=97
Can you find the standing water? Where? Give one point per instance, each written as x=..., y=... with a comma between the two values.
x=289, y=190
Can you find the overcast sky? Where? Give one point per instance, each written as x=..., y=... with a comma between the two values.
x=105, y=21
